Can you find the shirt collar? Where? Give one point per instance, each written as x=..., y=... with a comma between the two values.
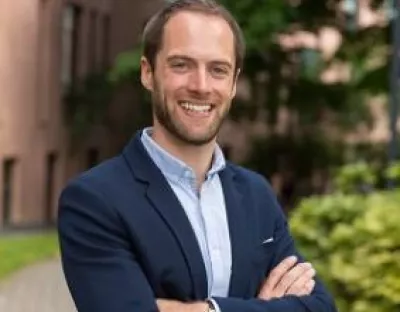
x=172, y=167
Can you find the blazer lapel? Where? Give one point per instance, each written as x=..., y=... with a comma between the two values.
x=168, y=206
x=239, y=230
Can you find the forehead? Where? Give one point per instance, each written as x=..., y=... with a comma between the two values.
x=198, y=35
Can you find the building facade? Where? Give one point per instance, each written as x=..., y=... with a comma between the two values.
x=46, y=45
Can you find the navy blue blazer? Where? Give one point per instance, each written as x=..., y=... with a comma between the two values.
x=125, y=240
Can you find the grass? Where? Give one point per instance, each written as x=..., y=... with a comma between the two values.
x=19, y=251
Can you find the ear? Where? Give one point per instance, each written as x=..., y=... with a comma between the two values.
x=146, y=74
x=234, y=85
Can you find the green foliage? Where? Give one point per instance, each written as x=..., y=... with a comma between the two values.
x=22, y=250
x=364, y=177
x=311, y=152
x=125, y=73
x=86, y=103
x=393, y=172
x=292, y=79
x=353, y=241
x=263, y=22
x=355, y=177
x=126, y=67
x=260, y=20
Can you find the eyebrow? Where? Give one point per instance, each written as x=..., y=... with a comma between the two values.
x=189, y=59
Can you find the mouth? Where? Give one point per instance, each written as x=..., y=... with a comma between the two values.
x=193, y=107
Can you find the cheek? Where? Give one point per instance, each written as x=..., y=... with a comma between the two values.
x=172, y=80
x=174, y=83
x=226, y=90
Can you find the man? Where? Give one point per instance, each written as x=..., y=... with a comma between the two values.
x=169, y=225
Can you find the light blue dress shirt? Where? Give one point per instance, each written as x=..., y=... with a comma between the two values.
x=205, y=209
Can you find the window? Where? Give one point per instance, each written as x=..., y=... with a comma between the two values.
x=92, y=40
x=51, y=161
x=8, y=189
x=92, y=157
x=106, y=41
x=71, y=20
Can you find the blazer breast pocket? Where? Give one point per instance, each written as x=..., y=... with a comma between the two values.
x=264, y=251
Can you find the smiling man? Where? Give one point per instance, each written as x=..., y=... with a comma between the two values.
x=170, y=225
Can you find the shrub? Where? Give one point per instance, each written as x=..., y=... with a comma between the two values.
x=353, y=240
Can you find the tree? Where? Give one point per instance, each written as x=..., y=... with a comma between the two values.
x=294, y=81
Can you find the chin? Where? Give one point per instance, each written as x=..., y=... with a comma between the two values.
x=199, y=140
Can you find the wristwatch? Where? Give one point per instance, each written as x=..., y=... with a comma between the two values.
x=211, y=307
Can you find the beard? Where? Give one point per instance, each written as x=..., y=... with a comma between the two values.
x=177, y=128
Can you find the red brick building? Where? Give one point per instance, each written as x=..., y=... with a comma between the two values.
x=44, y=46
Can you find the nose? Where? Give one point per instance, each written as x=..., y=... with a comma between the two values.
x=199, y=81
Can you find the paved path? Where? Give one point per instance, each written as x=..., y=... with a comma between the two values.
x=38, y=288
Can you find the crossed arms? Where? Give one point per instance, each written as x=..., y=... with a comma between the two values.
x=104, y=274
x=287, y=278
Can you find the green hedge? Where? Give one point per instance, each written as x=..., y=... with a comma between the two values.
x=353, y=241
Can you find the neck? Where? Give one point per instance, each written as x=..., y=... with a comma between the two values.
x=199, y=158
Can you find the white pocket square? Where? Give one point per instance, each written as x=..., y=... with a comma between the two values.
x=268, y=240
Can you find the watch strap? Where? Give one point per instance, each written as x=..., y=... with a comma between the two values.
x=211, y=307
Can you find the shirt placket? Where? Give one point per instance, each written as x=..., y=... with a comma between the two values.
x=213, y=241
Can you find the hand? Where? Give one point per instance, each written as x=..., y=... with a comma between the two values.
x=288, y=278
x=177, y=306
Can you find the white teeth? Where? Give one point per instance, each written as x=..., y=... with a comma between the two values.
x=196, y=107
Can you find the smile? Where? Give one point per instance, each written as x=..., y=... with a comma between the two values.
x=196, y=107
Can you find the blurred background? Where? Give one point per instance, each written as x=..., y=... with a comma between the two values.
x=316, y=113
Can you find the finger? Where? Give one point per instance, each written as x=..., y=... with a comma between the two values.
x=305, y=291
x=160, y=304
x=289, y=279
x=163, y=302
x=309, y=287
x=275, y=276
x=302, y=280
x=301, y=283
x=280, y=270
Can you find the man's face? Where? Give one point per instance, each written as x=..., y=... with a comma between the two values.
x=194, y=78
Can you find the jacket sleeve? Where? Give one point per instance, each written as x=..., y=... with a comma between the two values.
x=318, y=301
x=99, y=265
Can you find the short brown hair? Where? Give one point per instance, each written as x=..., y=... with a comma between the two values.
x=154, y=28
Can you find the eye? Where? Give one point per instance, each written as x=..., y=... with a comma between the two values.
x=219, y=71
x=179, y=66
